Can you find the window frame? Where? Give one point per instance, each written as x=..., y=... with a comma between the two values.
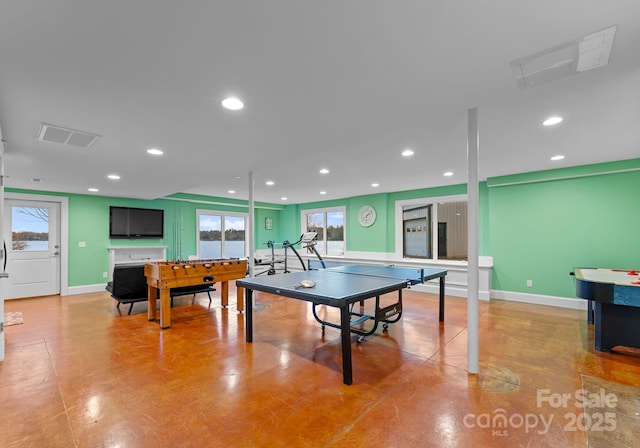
x=433, y=201
x=325, y=210
x=222, y=215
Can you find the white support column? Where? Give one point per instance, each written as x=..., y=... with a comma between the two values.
x=251, y=235
x=473, y=252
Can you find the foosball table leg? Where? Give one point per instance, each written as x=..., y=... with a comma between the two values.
x=152, y=293
x=165, y=308
x=224, y=294
x=240, y=299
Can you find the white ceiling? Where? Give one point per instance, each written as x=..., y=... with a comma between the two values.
x=345, y=85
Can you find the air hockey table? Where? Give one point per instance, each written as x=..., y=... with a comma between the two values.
x=615, y=296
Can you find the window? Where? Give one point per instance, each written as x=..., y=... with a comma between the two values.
x=329, y=225
x=221, y=235
x=29, y=228
x=433, y=228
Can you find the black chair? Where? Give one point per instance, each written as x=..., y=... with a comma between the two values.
x=129, y=285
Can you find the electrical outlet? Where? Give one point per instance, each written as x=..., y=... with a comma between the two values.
x=529, y=283
x=82, y=244
x=105, y=274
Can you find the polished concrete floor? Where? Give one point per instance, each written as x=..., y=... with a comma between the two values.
x=81, y=373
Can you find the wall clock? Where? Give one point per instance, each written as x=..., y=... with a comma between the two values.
x=366, y=215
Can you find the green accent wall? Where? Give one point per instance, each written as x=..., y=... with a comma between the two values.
x=375, y=237
x=543, y=226
x=288, y=224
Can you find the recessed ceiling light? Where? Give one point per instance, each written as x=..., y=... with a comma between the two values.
x=407, y=152
x=113, y=177
x=448, y=174
x=558, y=157
x=552, y=120
x=155, y=151
x=93, y=190
x=232, y=191
x=36, y=180
x=232, y=103
x=375, y=184
x=283, y=199
x=270, y=182
x=323, y=192
x=324, y=171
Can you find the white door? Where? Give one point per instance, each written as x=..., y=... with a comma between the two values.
x=32, y=239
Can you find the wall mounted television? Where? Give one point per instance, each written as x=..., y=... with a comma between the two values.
x=128, y=222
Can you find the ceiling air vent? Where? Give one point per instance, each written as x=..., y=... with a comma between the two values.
x=58, y=134
x=586, y=53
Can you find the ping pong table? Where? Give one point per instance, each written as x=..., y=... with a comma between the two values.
x=340, y=287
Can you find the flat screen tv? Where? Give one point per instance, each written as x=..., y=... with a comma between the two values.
x=128, y=222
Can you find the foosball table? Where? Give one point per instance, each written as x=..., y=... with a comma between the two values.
x=164, y=275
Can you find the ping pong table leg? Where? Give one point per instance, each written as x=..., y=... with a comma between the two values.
x=248, y=321
x=442, y=299
x=345, y=330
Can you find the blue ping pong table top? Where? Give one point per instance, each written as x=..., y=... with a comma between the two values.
x=340, y=283
x=411, y=275
x=330, y=286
